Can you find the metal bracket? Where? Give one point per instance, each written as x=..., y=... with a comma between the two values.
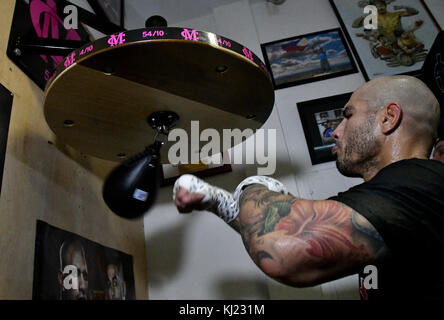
x=38, y=40
x=162, y=122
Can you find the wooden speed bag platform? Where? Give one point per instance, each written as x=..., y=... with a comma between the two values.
x=99, y=98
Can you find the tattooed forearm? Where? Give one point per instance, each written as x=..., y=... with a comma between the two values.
x=303, y=241
x=261, y=209
x=263, y=255
x=274, y=213
x=257, y=193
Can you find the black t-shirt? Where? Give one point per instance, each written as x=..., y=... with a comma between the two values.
x=405, y=204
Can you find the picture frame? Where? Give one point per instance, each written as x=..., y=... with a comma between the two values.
x=170, y=173
x=108, y=274
x=6, y=99
x=319, y=118
x=399, y=46
x=307, y=58
x=432, y=74
x=113, y=10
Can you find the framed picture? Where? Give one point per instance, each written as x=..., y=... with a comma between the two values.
x=405, y=33
x=432, y=74
x=5, y=116
x=307, y=58
x=171, y=172
x=112, y=9
x=70, y=267
x=319, y=119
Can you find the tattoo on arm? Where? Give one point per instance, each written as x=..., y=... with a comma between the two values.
x=297, y=235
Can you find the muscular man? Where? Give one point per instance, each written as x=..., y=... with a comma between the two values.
x=394, y=220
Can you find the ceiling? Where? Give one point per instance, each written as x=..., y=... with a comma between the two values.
x=173, y=11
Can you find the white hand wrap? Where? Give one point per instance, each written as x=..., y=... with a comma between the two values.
x=270, y=183
x=220, y=201
x=216, y=200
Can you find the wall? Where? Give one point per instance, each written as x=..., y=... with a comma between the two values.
x=53, y=183
x=196, y=256
x=437, y=7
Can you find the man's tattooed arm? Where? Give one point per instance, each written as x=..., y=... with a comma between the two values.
x=305, y=242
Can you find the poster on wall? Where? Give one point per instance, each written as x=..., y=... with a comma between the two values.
x=307, y=58
x=5, y=116
x=319, y=119
x=433, y=73
x=405, y=31
x=42, y=19
x=69, y=267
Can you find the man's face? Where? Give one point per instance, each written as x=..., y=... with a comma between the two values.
x=438, y=153
x=114, y=283
x=355, y=137
x=77, y=259
x=111, y=271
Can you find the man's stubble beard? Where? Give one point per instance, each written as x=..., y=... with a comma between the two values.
x=360, y=151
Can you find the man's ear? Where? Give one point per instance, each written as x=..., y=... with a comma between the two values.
x=391, y=118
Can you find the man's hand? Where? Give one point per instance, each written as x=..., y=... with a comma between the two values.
x=187, y=202
x=191, y=193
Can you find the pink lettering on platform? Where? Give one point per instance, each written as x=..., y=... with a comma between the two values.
x=248, y=54
x=116, y=40
x=190, y=34
x=227, y=43
x=155, y=33
x=224, y=43
x=86, y=50
x=70, y=60
x=51, y=23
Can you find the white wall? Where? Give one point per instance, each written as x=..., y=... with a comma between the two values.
x=437, y=8
x=197, y=256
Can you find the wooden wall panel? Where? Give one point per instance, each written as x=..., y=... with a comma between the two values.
x=53, y=183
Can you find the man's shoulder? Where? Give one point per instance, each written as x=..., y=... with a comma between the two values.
x=410, y=175
x=419, y=162
x=409, y=168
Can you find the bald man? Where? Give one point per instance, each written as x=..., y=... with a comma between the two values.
x=393, y=221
